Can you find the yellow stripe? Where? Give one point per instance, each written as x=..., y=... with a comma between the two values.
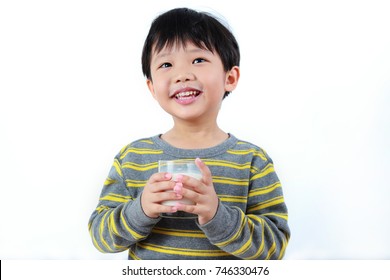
x=249, y=151
x=101, y=208
x=140, y=151
x=262, y=245
x=95, y=242
x=178, y=232
x=135, y=183
x=101, y=230
x=272, y=249
x=230, y=164
x=267, y=170
x=260, y=155
x=118, y=167
x=140, y=167
x=133, y=255
x=284, y=245
x=241, y=152
x=112, y=223
x=114, y=230
x=109, y=181
x=132, y=232
x=279, y=215
x=254, y=169
x=230, y=181
x=123, y=149
x=236, y=235
x=182, y=251
x=116, y=198
x=232, y=198
x=119, y=247
x=271, y=202
x=147, y=141
x=285, y=240
x=247, y=244
x=264, y=190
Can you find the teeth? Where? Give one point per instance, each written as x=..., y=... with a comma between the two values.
x=186, y=94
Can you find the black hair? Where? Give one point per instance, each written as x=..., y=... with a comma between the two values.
x=182, y=25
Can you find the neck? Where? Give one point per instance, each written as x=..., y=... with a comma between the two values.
x=195, y=137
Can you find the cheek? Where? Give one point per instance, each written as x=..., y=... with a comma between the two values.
x=216, y=82
x=160, y=88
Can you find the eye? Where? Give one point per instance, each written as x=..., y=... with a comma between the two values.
x=198, y=60
x=165, y=65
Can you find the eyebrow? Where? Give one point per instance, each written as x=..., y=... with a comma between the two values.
x=193, y=50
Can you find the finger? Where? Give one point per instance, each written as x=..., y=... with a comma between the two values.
x=192, y=195
x=166, y=208
x=168, y=195
x=186, y=208
x=159, y=177
x=191, y=183
x=158, y=187
x=206, y=173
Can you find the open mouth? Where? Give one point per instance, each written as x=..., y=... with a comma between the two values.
x=187, y=94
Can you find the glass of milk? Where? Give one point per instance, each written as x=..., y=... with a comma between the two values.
x=179, y=167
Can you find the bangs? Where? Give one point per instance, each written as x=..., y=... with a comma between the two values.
x=180, y=26
x=180, y=30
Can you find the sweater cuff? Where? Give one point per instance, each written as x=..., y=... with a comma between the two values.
x=224, y=224
x=136, y=217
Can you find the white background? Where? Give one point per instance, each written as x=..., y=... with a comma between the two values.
x=314, y=93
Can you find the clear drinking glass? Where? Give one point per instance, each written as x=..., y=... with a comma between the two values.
x=177, y=167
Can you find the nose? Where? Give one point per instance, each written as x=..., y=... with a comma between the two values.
x=182, y=77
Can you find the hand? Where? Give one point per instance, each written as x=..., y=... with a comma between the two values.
x=201, y=192
x=155, y=192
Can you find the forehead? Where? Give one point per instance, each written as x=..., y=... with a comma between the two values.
x=187, y=47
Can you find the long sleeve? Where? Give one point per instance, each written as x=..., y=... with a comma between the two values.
x=250, y=223
x=260, y=233
x=118, y=221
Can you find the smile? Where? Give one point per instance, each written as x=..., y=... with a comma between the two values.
x=187, y=94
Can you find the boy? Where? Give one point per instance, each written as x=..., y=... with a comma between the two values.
x=191, y=64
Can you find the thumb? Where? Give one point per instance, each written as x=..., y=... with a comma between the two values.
x=206, y=173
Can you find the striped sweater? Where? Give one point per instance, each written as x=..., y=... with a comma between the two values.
x=250, y=223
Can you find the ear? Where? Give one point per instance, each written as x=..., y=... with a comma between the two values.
x=232, y=78
x=149, y=83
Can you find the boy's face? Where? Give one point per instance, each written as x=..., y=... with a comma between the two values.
x=189, y=82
